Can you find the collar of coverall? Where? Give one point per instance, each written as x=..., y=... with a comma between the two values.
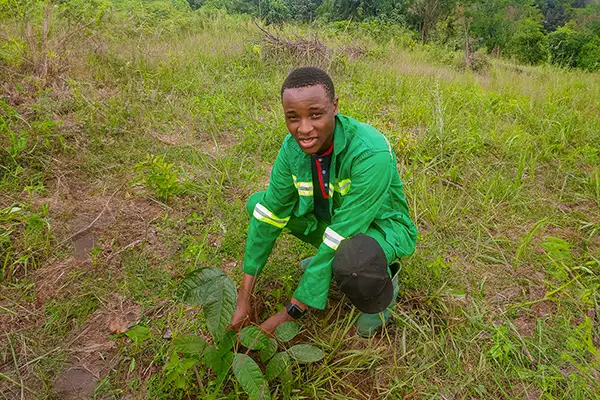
x=339, y=136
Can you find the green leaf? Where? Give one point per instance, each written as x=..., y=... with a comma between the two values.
x=138, y=334
x=212, y=358
x=306, y=353
x=226, y=342
x=287, y=331
x=250, y=377
x=222, y=372
x=253, y=338
x=191, y=345
x=269, y=350
x=218, y=362
x=211, y=288
x=277, y=365
x=219, y=312
x=203, y=285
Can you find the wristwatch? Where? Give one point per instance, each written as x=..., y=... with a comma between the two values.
x=293, y=310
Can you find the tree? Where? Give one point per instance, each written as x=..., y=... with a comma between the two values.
x=564, y=46
x=556, y=12
x=425, y=14
x=528, y=44
x=302, y=10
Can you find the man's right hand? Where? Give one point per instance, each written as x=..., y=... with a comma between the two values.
x=241, y=317
x=243, y=309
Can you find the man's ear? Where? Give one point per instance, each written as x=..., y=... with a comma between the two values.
x=335, y=106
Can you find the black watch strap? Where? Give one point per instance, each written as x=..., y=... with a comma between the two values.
x=294, y=311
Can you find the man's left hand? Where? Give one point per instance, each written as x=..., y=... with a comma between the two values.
x=274, y=321
x=282, y=316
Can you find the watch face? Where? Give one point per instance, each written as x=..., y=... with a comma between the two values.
x=294, y=311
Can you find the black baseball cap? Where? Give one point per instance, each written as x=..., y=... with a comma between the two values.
x=361, y=272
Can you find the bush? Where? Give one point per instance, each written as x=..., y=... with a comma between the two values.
x=479, y=61
x=564, y=46
x=528, y=44
x=589, y=56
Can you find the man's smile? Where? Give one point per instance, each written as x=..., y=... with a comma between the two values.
x=307, y=143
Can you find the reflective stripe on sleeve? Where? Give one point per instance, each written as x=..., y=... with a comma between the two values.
x=304, y=188
x=332, y=239
x=261, y=213
x=343, y=186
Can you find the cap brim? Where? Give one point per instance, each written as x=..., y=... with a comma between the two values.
x=374, y=305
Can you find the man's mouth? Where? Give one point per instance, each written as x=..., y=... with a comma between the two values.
x=307, y=143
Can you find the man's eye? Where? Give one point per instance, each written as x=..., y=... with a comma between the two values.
x=316, y=115
x=291, y=118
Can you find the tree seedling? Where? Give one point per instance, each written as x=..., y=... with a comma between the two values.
x=216, y=293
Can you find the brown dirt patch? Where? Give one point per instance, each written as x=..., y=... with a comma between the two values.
x=525, y=324
x=91, y=351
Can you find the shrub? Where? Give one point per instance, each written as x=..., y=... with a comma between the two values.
x=589, y=56
x=528, y=44
x=564, y=46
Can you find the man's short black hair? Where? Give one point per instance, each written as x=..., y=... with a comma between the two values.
x=309, y=76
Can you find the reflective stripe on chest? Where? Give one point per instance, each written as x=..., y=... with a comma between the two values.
x=306, y=188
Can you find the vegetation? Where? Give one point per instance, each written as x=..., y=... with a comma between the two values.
x=563, y=32
x=132, y=133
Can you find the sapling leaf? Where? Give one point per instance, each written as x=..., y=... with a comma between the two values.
x=218, y=362
x=269, y=350
x=250, y=377
x=226, y=362
x=306, y=353
x=287, y=331
x=253, y=338
x=197, y=288
x=226, y=342
x=212, y=358
x=190, y=345
x=277, y=365
x=219, y=311
x=211, y=288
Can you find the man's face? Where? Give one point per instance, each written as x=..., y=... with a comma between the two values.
x=310, y=117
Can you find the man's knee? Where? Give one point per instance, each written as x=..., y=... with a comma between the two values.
x=252, y=201
x=360, y=269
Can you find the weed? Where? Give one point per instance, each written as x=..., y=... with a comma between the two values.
x=160, y=177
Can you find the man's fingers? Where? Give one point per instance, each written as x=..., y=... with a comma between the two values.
x=239, y=324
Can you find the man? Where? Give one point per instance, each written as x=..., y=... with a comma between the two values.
x=334, y=185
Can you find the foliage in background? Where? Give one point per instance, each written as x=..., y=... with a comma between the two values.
x=515, y=28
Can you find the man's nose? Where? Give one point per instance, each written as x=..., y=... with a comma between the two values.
x=305, y=127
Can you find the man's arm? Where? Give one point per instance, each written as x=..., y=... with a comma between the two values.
x=279, y=318
x=269, y=217
x=243, y=309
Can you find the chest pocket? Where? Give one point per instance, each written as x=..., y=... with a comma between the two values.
x=338, y=190
x=305, y=188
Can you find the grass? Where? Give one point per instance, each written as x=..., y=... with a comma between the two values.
x=500, y=300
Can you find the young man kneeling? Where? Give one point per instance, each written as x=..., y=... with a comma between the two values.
x=334, y=185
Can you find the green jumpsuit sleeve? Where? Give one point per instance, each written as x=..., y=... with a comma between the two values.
x=270, y=215
x=371, y=176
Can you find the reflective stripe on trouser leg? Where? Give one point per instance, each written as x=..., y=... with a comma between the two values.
x=332, y=239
